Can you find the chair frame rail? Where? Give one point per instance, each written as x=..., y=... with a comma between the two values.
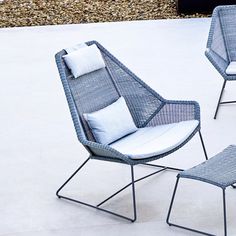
x=132, y=184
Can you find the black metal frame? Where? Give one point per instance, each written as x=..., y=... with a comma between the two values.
x=191, y=229
x=219, y=101
x=132, y=183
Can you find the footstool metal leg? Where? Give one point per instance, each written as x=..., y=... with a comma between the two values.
x=225, y=217
x=171, y=203
x=180, y=226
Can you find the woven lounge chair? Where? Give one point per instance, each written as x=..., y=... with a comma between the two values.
x=221, y=46
x=149, y=110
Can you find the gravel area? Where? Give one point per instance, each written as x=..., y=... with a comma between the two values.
x=51, y=12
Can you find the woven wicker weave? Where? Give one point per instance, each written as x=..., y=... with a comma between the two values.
x=100, y=88
x=219, y=170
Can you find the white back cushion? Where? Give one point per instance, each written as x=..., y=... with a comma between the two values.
x=84, y=60
x=111, y=123
x=75, y=47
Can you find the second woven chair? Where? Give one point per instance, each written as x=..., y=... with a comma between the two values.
x=163, y=126
x=221, y=46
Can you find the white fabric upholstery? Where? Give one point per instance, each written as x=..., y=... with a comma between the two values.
x=153, y=141
x=84, y=60
x=231, y=69
x=111, y=123
x=76, y=47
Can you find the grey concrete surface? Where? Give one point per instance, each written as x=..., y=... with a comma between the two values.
x=39, y=150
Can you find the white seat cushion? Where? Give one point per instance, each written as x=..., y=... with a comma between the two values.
x=231, y=69
x=153, y=141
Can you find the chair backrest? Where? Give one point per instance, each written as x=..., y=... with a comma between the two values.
x=222, y=36
x=100, y=88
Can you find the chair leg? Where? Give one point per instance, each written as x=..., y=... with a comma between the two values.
x=133, y=194
x=225, y=217
x=218, y=104
x=131, y=184
x=57, y=193
x=97, y=207
x=203, y=146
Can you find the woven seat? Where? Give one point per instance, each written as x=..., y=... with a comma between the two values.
x=219, y=170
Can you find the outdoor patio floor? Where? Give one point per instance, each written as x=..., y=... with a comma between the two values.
x=39, y=149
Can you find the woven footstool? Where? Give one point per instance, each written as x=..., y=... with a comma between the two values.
x=219, y=170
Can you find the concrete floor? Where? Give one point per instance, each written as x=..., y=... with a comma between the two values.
x=39, y=149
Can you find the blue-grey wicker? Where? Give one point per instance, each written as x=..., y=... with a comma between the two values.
x=96, y=90
x=219, y=170
x=100, y=88
x=221, y=44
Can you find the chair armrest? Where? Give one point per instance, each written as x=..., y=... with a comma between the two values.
x=218, y=62
x=105, y=151
x=176, y=111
